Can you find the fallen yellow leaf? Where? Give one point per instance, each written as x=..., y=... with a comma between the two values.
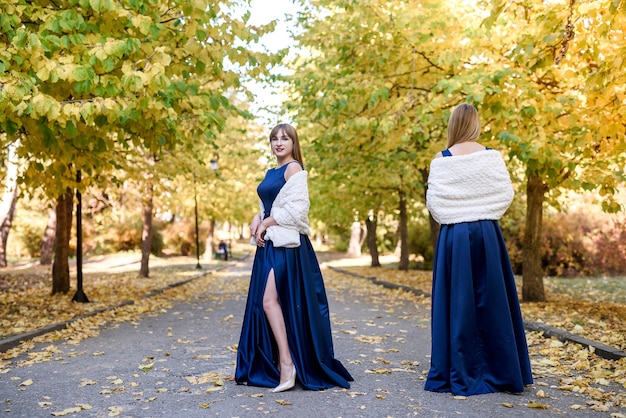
x=146, y=367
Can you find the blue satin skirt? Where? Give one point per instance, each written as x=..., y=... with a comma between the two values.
x=302, y=297
x=478, y=340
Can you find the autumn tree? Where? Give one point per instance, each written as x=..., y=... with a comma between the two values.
x=368, y=90
x=9, y=199
x=87, y=82
x=546, y=99
x=378, y=74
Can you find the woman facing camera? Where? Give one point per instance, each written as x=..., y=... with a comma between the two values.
x=286, y=332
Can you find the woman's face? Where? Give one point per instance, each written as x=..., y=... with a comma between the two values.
x=282, y=145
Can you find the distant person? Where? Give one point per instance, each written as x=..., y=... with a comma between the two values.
x=478, y=340
x=222, y=249
x=286, y=332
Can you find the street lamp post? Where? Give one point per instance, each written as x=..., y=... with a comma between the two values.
x=79, y=296
x=213, y=163
x=195, y=201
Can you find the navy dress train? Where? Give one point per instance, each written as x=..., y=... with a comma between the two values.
x=302, y=297
x=478, y=340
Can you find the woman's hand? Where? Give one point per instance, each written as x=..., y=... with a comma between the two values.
x=258, y=229
x=260, y=234
x=254, y=225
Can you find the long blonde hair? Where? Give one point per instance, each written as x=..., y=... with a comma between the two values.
x=463, y=125
x=290, y=131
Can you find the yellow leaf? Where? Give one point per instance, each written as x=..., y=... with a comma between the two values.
x=114, y=411
x=146, y=367
x=378, y=370
x=460, y=397
x=508, y=405
x=282, y=402
x=205, y=405
x=66, y=411
x=536, y=405
x=27, y=382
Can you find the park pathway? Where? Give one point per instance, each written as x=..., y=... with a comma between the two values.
x=180, y=363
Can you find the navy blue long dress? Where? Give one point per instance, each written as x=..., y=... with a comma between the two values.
x=302, y=297
x=478, y=340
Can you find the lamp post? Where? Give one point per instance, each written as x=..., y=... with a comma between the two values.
x=195, y=201
x=79, y=296
x=214, y=166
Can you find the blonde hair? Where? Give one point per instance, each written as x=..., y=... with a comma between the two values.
x=463, y=125
x=290, y=131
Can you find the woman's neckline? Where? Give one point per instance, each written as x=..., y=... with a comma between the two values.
x=284, y=164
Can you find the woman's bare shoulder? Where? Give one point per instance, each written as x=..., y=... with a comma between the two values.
x=292, y=169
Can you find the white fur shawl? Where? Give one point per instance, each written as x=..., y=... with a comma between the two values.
x=466, y=188
x=291, y=211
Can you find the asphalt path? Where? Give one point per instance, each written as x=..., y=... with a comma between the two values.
x=180, y=363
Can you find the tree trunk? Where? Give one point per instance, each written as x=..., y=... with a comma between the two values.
x=371, y=224
x=7, y=206
x=532, y=272
x=404, y=234
x=61, y=266
x=434, y=226
x=47, y=244
x=208, y=248
x=147, y=232
x=356, y=240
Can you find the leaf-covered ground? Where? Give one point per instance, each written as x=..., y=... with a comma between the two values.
x=589, y=313
x=582, y=309
x=26, y=305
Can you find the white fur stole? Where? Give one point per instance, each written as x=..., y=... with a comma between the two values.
x=467, y=188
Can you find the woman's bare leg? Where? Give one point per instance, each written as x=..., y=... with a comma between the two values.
x=274, y=315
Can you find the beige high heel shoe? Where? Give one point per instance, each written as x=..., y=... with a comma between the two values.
x=288, y=384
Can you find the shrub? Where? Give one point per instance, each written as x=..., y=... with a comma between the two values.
x=573, y=244
x=564, y=252
x=31, y=237
x=610, y=250
x=421, y=245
